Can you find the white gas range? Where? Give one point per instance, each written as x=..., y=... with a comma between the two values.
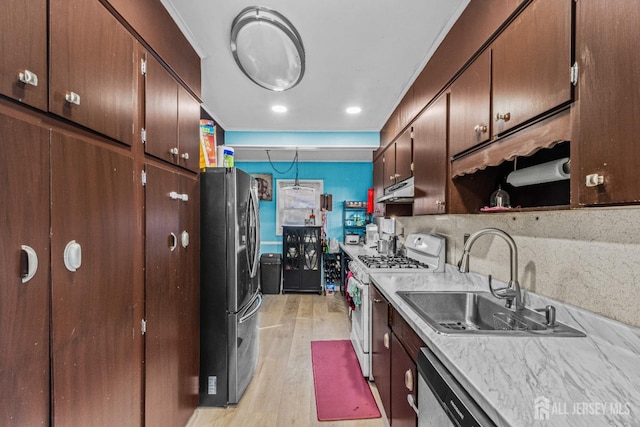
x=425, y=253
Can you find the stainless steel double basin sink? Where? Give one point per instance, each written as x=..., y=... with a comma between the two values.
x=477, y=313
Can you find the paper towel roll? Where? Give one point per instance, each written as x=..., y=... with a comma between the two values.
x=545, y=172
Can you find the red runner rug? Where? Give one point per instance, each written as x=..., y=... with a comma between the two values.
x=342, y=393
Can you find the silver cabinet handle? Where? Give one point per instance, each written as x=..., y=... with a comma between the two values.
x=31, y=261
x=184, y=239
x=174, y=195
x=72, y=256
x=185, y=156
x=408, y=379
x=385, y=340
x=72, y=98
x=412, y=403
x=173, y=242
x=28, y=77
x=174, y=151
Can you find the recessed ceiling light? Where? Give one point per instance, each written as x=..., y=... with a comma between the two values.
x=279, y=109
x=354, y=110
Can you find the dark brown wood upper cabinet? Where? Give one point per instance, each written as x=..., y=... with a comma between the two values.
x=470, y=106
x=398, y=160
x=390, y=166
x=404, y=156
x=23, y=43
x=172, y=118
x=188, y=130
x=95, y=372
x=531, y=64
x=161, y=112
x=607, y=149
x=430, y=156
x=24, y=298
x=378, y=185
x=92, y=68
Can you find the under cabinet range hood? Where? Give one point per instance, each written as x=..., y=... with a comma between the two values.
x=401, y=192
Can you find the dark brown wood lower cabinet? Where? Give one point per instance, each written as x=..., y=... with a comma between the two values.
x=404, y=382
x=24, y=306
x=172, y=297
x=95, y=373
x=381, y=347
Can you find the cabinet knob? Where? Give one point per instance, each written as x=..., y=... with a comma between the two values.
x=506, y=117
x=593, y=180
x=408, y=379
x=481, y=128
x=28, y=77
x=72, y=98
x=72, y=256
x=385, y=340
x=185, y=156
x=174, y=151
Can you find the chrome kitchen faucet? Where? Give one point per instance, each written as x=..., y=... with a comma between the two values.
x=512, y=292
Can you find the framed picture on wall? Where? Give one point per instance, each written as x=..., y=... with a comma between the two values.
x=265, y=185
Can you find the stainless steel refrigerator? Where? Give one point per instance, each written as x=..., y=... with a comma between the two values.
x=229, y=282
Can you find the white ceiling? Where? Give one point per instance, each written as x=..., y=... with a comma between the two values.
x=358, y=52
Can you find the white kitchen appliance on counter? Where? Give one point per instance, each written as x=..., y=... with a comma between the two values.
x=425, y=254
x=351, y=239
x=372, y=234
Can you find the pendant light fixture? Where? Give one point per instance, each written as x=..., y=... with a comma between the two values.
x=267, y=48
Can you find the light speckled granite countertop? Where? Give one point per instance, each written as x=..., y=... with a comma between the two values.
x=588, y=381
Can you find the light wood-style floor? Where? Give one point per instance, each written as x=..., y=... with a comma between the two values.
x=281, y=393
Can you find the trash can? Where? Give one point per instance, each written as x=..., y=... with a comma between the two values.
x=271, y=273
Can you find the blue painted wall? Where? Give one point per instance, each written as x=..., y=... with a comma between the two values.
x=343, y=180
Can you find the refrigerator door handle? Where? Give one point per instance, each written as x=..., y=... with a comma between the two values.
x=251, y=313
x=256, y=252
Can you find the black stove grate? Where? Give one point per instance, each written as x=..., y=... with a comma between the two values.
x=391, y=262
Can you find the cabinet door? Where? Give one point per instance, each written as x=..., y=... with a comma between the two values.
x=430, y=156
x=95, y=372
x=162, y=307
x=381, y=347
x=470, y=104
x=378, y=186
x=189, y=281
x=608, y=124
x=292, y=259
x=531, y=63
x=92, y=66
x=311, y=257
x=390, y=166
x=404, y=383
x=161, y=112
x=23, y=43
x=24, y=307
x=404, y=159
x=188, y=130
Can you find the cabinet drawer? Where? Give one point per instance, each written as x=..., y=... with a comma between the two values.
x=406, y=335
